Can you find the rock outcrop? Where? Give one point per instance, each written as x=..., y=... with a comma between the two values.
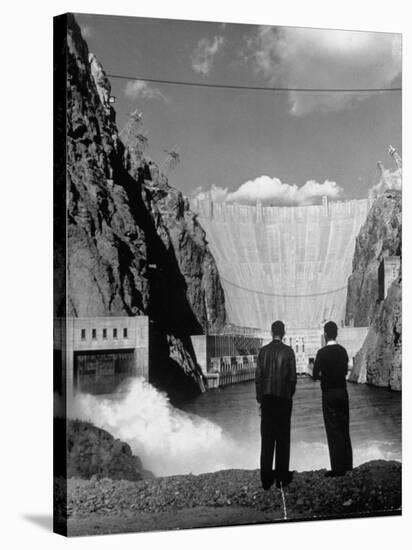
x=184, y=242
x=379, y=361
x=134, y=247
x=93, y=452
x=380, y=236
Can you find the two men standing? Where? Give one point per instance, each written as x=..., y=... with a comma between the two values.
x=275, y=387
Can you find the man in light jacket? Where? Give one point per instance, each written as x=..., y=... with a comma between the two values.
x=275, y=387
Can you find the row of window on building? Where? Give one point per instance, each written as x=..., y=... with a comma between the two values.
x=104, y=333
x=297, y=344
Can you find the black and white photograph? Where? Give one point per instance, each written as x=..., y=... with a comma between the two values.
x=227, y=335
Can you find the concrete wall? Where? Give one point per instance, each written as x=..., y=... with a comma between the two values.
x=289, y=263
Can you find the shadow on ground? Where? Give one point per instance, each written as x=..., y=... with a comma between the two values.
x=44, y=521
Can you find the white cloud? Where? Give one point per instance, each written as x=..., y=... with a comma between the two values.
x=315, y=58
x=204, y=53
x=139, y=89
x=273, y=191
x=218, y=194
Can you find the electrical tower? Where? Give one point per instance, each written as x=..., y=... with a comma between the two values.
x=133, y=135
x=171, y=161
x=394, y=154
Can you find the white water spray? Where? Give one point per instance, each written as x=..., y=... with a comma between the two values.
x=167, y=440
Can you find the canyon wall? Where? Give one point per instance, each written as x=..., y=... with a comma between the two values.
x=379, y=361
x=379, y=236
x=133, y=246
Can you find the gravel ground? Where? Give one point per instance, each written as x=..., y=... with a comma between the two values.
x=103, y=506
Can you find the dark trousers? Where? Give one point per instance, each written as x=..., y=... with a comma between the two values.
x=275, y=430
x=335, y=405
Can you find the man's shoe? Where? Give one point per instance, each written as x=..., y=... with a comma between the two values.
x=333, y=473
x=284, y=480
x=268, y=484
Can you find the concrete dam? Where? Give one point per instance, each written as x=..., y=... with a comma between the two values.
x=283, y=262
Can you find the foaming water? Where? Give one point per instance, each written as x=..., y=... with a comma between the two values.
x=168, y=440
x=220, y=429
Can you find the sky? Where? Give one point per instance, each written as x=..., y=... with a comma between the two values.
x=283, y=147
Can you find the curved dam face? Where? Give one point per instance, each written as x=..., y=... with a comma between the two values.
x=290, y=263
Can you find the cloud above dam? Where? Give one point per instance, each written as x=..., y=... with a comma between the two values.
x=204, y=54
x=324, y=59
x=272, y=191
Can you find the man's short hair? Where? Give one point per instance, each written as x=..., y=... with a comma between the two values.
x=278, y=329
x=331, y=330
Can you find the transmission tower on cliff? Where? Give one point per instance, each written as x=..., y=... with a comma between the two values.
x=394, y=154
x=133, y=135
x=171, y=161
x=381, y=171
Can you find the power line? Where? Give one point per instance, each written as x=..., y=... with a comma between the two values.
x=231, y=283
x=256, y=88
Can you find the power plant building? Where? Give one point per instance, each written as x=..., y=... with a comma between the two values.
x=97, y=354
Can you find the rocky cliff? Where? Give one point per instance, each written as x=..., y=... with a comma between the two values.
x=379, y=361
x=380, y=236
x=134, y=247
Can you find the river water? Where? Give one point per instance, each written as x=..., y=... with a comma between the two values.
x=375, y=423
x=220, y=429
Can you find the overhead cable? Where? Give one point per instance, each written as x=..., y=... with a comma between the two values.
x=255, y=88
x=260, y=292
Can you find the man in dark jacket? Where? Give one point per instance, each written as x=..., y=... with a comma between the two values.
x=275, y=386
x=331, y=367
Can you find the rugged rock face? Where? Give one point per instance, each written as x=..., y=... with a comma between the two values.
x=380, y=236
x=379, y=361
x=106, y=269
x=134, y=247
x=184, y=241
x=92, y=451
